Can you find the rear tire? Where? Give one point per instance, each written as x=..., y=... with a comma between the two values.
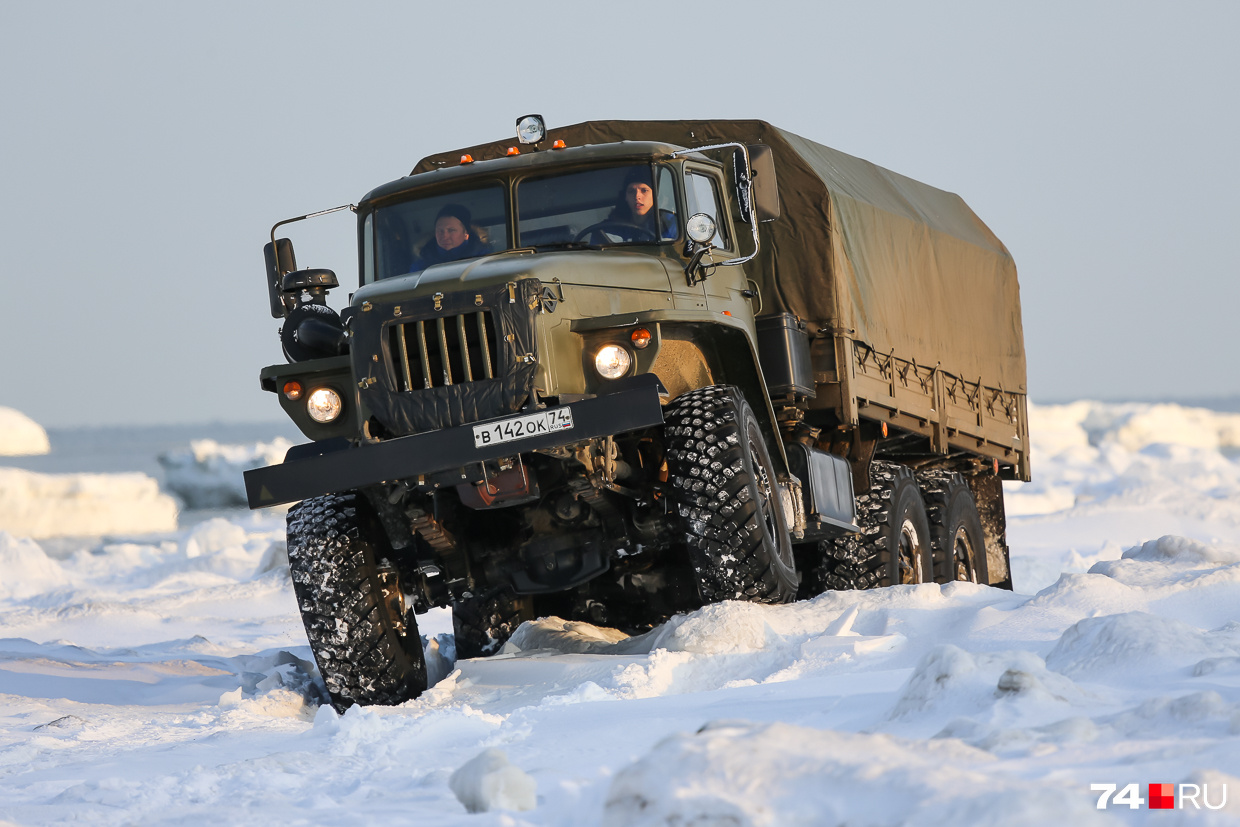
x=364, y=639
x=956, y=535
x=722, y=483
x=893, y=547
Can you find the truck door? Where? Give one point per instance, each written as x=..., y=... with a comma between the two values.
x=686, y=297
x=703, y=193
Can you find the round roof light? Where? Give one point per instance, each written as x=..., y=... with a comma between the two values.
x=531, y=129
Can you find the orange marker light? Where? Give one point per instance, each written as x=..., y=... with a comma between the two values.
x=512, y=150
x=292, y=391
x=640, y=337
x=996, y=468
x=884, y=429
x=467, y=159
x=558, y=145
x=727, y=312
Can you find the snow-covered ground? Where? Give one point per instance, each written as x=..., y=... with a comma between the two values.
x=166, y=679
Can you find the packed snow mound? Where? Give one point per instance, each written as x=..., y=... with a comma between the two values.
x=225, y=548
x=1137, y=644
x=72, y=505
x=1172, y=549
x=25, y=570
x=488, y=782
x=568, y=636
x=20, y=435
x=744, y=774
x=209, y=475
x=951, y=680
x=717, y=629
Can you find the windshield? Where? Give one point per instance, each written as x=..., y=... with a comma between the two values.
x=631, y=204
x=419, y=233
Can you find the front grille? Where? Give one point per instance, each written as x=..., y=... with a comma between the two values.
x=450, y=350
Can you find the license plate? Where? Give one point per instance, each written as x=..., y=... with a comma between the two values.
x=523, y=427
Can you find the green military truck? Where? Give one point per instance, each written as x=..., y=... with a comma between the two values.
x=617, y=370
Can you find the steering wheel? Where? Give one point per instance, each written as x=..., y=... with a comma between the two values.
x=627, y=232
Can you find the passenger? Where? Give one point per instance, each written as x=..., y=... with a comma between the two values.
x=637, y=207
x=453, y=240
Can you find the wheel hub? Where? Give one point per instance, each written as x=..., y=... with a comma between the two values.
x=910, y=557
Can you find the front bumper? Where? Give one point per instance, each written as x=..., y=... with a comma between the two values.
x=632, y=405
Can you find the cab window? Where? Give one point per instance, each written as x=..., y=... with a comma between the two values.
x=421, y=232
x=702, y=195
x=665, y=192
x=604, y=206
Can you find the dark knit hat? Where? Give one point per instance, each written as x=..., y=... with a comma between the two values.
x=637, y=175
x=457, y=211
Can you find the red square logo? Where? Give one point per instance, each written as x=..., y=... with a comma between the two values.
x=1162, y=797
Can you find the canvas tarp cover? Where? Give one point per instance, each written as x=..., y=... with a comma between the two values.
x=898, y=265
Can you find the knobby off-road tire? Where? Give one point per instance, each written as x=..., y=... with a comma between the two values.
x=722, y=484
x=482, y=625
x=893, y=547
x=365, y=641
x=956, y=536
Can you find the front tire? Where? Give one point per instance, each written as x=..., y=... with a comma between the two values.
x=364, y=639
x=722, y=483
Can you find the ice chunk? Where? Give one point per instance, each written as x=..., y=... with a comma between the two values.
x=210, y=475
x=69, y=505
x=20, y=435
x=488, y=782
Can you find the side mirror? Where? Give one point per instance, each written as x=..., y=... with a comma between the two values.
x=280, y=260
x=765, y=187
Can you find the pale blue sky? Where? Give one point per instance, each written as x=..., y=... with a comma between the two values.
x=146, y=149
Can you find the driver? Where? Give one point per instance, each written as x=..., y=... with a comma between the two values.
x=454, y=238
x=637, y=207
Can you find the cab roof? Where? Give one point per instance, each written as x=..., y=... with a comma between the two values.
x=492, y=159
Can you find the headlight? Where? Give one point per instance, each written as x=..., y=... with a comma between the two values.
x=323, y=405
x=531, y=129
x=612, y=361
